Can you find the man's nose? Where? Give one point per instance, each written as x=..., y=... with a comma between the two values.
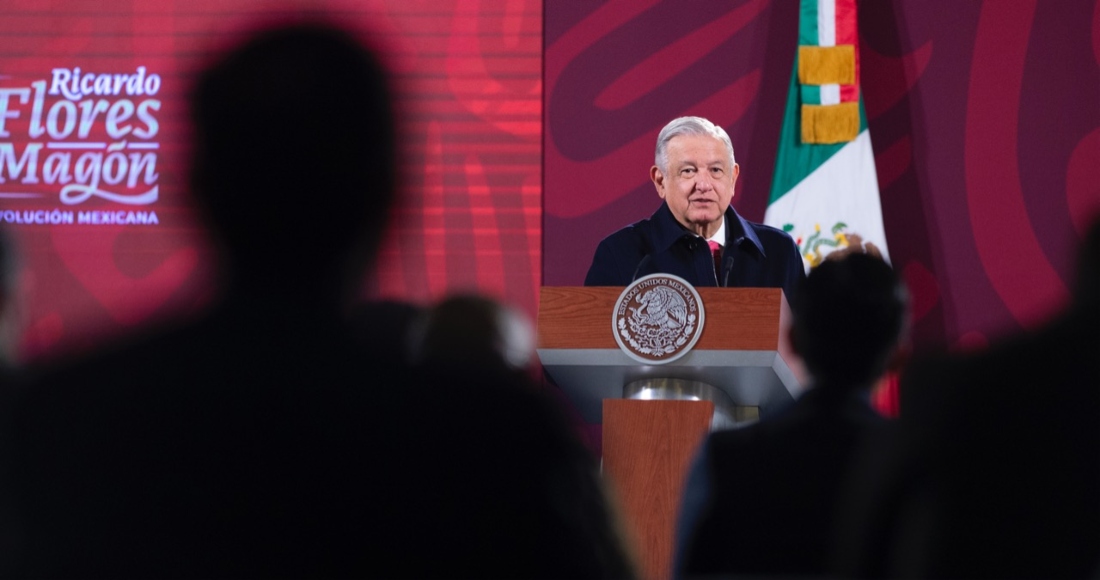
x=703, y=181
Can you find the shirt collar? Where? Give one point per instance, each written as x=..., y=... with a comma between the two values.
x=720, y=235
x=735, y=228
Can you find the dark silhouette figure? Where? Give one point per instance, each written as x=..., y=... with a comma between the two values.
x=387, y=328
x=770, y=489
x=267, y=438
x=11, y=379
x=468, y=331
x=994, y=468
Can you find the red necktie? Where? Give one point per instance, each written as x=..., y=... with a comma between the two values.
x=716, y=253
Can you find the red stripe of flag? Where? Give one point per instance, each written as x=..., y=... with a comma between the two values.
x=847, y=33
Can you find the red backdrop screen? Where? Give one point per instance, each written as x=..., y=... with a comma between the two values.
x=94, y=142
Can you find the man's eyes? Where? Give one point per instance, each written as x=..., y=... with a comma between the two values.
x=689, y=171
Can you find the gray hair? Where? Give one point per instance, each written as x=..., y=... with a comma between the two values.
x=688, y=126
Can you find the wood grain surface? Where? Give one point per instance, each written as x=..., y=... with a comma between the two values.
x=736, y=318
x=648, y=447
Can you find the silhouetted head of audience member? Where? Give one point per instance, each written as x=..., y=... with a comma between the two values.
x=474, y=333
x=294, y=160
x=849, y=318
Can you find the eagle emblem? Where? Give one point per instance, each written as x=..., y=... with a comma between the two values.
x=658, y=318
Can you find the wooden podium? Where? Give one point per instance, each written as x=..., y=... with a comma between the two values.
x=743, y=351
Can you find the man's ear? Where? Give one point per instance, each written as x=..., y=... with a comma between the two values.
x=734, y=172
x=658, y=179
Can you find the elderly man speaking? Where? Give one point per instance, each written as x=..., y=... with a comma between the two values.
x=696, y=234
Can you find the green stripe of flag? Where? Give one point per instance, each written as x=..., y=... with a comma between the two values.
x=811, y=94
x=807, y=24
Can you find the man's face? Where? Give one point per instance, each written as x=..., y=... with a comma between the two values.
x=699, y=184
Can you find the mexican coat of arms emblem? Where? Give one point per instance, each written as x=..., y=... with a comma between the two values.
x=658, y=318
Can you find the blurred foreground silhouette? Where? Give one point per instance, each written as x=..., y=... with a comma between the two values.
x=267, y=437
x=762, y=499
x=993, y=470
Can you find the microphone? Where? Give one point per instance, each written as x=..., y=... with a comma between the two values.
x=644, y=262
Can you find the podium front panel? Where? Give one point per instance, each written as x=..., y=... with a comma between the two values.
x=743, y=349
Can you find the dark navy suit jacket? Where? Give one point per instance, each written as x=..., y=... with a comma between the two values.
x=762, y=500
x=755, y=255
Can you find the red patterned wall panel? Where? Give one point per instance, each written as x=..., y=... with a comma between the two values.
x=100, y=206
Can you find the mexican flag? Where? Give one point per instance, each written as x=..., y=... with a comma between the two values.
x=825, y=186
